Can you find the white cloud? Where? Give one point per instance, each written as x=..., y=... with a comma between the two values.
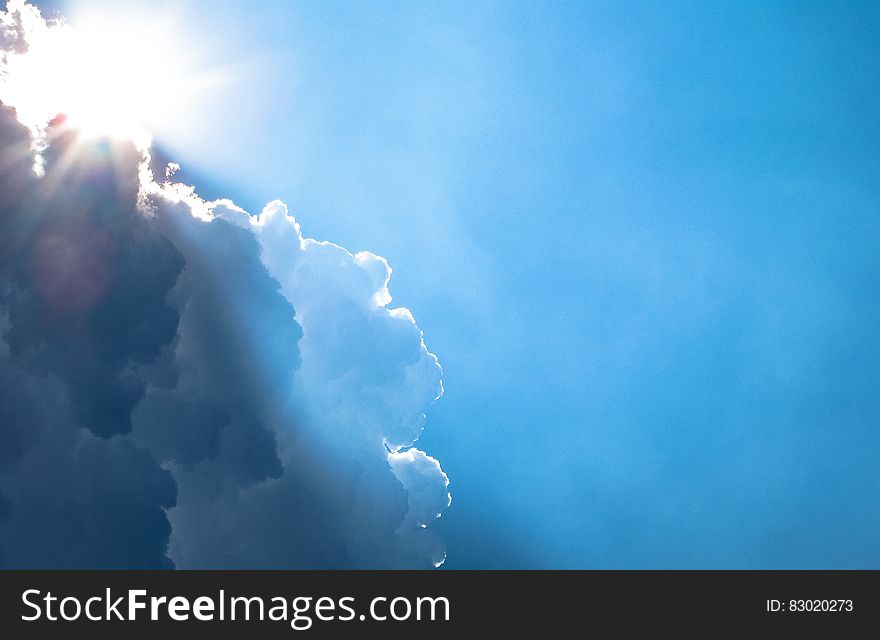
x=357, y=397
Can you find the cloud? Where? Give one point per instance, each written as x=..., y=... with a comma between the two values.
x=82, y=287
x=13, y=30
x=351, y=395
x=194, y=386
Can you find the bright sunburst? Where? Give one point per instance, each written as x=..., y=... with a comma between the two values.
x=115, y=76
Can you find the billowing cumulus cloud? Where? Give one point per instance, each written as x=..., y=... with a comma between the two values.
x=186, y=384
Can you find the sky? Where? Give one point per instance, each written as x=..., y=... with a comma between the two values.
x=639, y=237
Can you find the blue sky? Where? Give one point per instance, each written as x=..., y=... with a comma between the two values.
x=640, y=237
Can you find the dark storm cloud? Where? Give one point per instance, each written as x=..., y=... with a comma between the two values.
x=83, y=283
x=78, y=501
x=89, y=280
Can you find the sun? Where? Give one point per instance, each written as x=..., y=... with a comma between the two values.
x=109, y=75
x=104, y=81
